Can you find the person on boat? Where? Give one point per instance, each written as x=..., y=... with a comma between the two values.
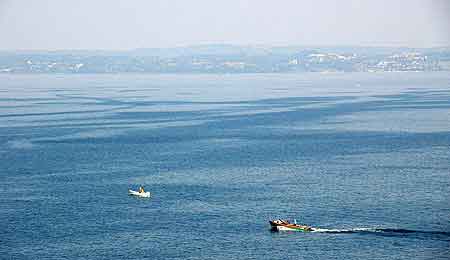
x=141, y=189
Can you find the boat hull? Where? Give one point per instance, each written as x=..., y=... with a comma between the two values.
x=283, y=228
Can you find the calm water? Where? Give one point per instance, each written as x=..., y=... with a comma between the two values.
x=365, y=157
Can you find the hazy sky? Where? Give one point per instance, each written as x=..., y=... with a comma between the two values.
x=109, y=24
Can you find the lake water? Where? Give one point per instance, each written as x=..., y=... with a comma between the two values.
x=363, y=157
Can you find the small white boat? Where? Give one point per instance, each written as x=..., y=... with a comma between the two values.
x=139, y=194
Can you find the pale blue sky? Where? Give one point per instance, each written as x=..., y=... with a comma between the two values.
x=109, y=24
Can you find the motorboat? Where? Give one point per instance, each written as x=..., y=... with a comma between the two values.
x=285, y=225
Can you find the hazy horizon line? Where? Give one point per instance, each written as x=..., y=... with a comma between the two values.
x=233, y=45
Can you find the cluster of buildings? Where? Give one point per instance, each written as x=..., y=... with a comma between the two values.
x=405, y=62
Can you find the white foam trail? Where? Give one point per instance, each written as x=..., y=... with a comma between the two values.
x=342, y=230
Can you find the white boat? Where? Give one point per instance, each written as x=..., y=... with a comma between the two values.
x=139, y=194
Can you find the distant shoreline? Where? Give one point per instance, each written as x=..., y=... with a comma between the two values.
x=220, y=59
x=218, y=73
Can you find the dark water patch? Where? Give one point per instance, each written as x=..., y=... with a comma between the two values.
x=413, y=107
x=409, y=231
x=187, y=115
x=27, y=99
x=413, y=234
x=17, y=106
x=392, y=233
x=416, y=95
x=139, y=90
x=58, y=113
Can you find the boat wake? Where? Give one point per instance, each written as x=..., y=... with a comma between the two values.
x=388, y=232
x=352, y=230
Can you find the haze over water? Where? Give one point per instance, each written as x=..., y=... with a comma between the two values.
x=363, y=157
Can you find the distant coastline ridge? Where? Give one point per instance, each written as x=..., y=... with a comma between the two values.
x=224, y=58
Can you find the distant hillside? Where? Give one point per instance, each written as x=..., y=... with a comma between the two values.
x=223, y=58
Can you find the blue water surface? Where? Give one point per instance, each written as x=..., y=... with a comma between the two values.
x=363, y=157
